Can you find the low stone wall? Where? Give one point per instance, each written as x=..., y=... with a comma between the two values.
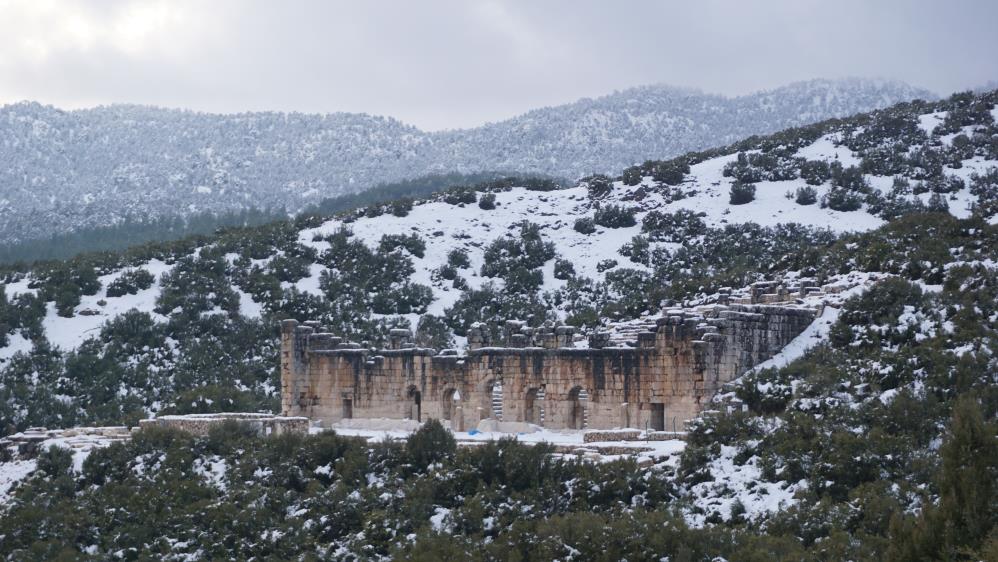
x=664, y=436
x=603, y=450
x=201, y=424
x=612, y=435
x=28, y=443
x=632, y=435
x=376, y=424
x=38, y=434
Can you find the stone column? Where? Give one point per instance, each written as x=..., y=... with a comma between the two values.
x=288, y=371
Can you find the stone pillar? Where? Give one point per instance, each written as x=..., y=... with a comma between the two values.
x=292, y=366
x=478, y=336
x=625, y=415
x=398, y=338
x=599, y=339
x=564, y=335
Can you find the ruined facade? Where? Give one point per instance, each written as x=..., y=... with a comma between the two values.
x=658, y=382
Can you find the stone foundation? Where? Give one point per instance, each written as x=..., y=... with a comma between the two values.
x=201, y=424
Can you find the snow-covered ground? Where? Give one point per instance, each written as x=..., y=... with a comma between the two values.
x=80, y=442
x=644, y=450
x=742, y=483
x=69, y=333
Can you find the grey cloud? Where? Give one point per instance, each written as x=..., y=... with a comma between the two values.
x=443, y=64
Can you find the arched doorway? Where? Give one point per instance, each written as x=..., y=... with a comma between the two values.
x=577, y=415
x=492, y=406
x=533, y=407
x=449, y=403
x=414, y=407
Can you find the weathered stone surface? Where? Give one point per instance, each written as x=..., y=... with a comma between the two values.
x=657, y=383
x=619, y=435
x=200, y=424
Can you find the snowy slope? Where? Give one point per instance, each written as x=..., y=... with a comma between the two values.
x=445, y=227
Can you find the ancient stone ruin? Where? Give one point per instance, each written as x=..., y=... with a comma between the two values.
x=201, y=424
x=659, y=380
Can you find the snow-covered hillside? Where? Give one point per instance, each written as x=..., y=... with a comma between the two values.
x=876, y=422
x=65, y=170
x=190, y=324
x=444, y=227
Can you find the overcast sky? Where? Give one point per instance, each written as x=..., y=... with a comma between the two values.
x=447, y=64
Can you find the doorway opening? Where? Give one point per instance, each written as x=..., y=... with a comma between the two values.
x=414, y=404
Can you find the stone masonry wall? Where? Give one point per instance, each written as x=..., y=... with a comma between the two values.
x=201, y=424
x=659, y=384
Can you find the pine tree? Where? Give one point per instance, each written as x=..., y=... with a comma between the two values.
x=966, y=517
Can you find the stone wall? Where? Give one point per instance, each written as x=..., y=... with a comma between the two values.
x=200, y=424
x=659, y=383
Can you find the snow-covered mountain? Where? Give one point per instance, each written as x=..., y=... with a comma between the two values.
x=65, y=170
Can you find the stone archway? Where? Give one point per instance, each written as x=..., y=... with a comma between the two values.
x=414, y=404
x=533, y=407
x=578, y=400
x=491, y=407
x=449, y=403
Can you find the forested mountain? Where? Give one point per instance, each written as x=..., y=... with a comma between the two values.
x=877, y=443
x=63, y=171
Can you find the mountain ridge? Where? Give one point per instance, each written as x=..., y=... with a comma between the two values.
x=65, y=170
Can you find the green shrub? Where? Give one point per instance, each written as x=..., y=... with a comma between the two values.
x=458, y=258
x=632, y=176
x=815, y=172
x=614, y=216
x=670, y=172
x=585, y=225
x=598, y=186
x=55, y=461
x=679, y=226
x=563, y=269
x=130, y=282
x=487, y=201
x=401, y=207
x=506, y=254
x=806, y=196
x=839, y=199
x=432, y=331
x=460, y=196
x=412, y=243
x=741, y=193
x=430, y=444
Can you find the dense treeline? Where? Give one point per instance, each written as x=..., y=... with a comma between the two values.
x=167, y=495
